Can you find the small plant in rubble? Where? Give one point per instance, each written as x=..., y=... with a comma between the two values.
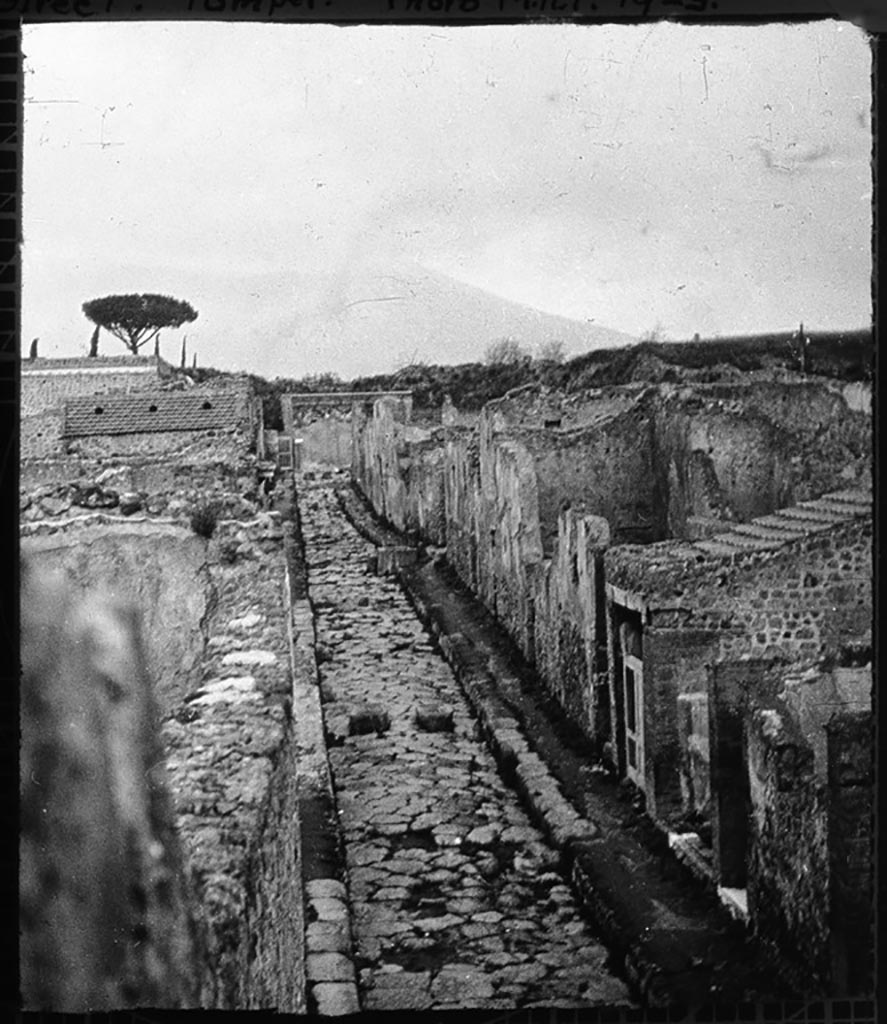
x=228, y=551
x=204, y=518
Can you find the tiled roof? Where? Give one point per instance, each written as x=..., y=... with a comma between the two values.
x=150, y=412
x=788, y=524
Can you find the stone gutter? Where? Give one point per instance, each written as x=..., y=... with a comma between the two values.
x=669, y=958
x=329, y=964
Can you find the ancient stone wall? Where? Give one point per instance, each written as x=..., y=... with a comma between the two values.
x=323, y=421
x=798, y=603
x=795, y=600
x=215, y=445
x=218, y=654
x=570, y=632
x=399, y=466
x=670, y=460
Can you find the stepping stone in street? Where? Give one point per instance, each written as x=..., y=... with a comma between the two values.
x=434, y=717
x=367, y=719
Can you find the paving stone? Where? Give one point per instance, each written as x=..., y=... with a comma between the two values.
x=462, y=986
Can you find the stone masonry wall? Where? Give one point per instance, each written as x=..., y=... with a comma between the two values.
x=180, y=444
x=219, y=651
x=399, y=467
x=569, y=635
x=797, y=603
x=793, y=601
x=47, y=383
x=680, y=460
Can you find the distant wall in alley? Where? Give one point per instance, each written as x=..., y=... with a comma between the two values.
x=322, y=421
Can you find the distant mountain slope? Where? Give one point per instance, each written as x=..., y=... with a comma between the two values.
x=381, y=318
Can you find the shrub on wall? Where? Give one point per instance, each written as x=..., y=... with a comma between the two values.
x=204, y=517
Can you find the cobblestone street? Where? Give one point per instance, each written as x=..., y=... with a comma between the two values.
x=455, y=896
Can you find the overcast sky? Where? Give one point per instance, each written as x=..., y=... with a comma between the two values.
x=713, y=179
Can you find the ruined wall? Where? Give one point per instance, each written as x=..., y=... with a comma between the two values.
x=851, y=809
x=793, y=601
x=788, y=883
x=734, y=452
x=798, y=603
x=46, y=383
x=171, y=444
x=608, y=468
x=399, y=467
x=570, y=633
x=218, y=651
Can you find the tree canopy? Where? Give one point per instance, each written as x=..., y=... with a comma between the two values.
x=136, y=319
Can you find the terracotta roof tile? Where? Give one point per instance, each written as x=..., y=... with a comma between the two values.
x=147, y=412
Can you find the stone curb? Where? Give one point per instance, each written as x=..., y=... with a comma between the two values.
x=330, y=975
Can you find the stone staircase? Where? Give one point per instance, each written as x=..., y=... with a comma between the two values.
x=788, y=524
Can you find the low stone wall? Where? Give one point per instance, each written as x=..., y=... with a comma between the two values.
x=225, y=729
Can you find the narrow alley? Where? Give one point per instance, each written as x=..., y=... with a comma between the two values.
x=455, y=896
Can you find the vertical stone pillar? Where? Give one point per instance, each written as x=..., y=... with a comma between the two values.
x=851, y=860
x=729, y=779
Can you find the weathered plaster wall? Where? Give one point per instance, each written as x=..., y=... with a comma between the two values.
x=172, y=444
x=570, y=633
x=399, y=467
x=734, y=452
